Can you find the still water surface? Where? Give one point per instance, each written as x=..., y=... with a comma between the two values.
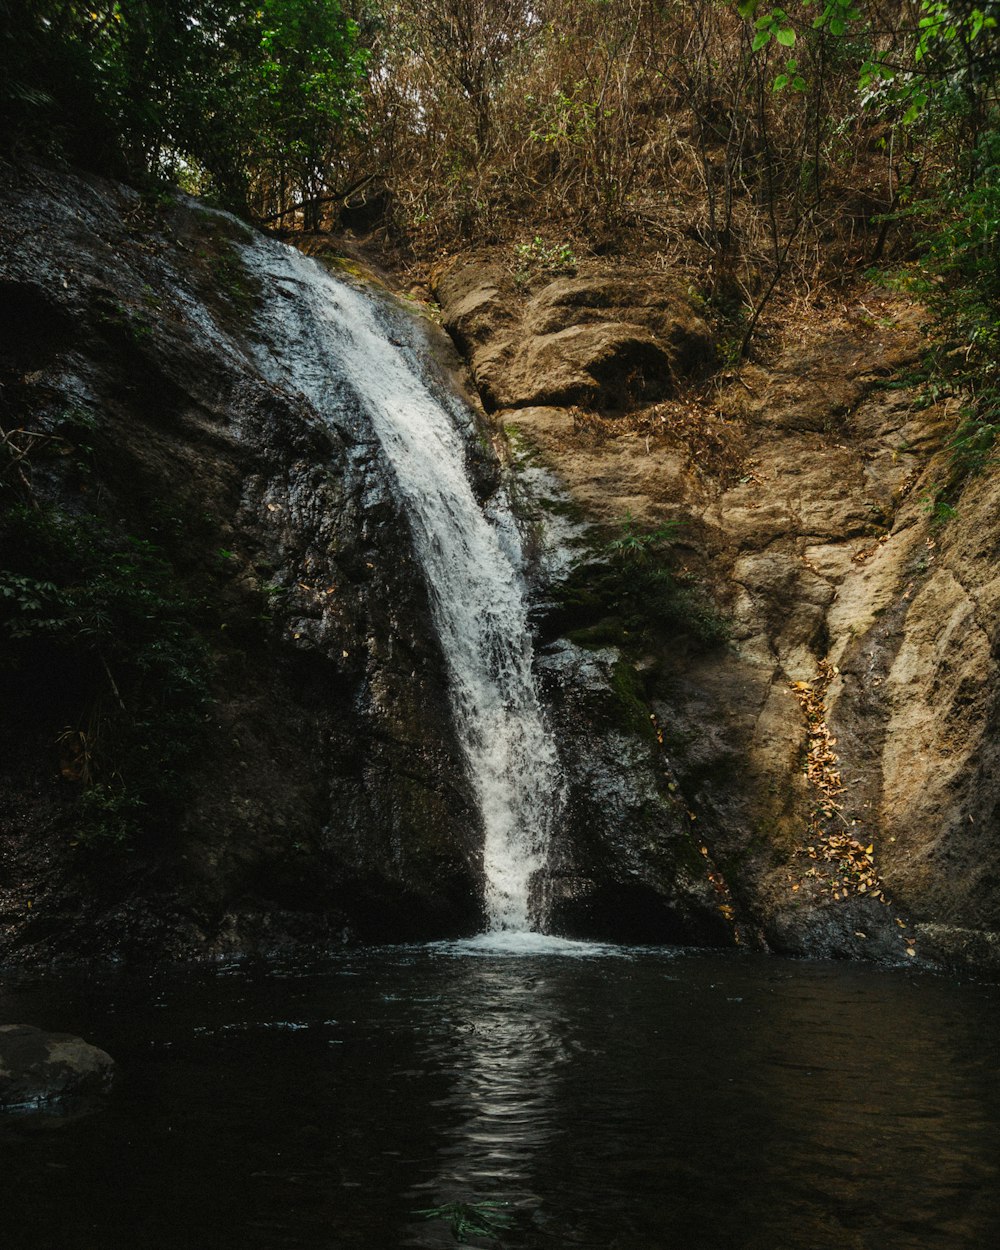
x=621, y=1099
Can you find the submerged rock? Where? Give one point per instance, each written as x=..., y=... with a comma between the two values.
x=38, y=1068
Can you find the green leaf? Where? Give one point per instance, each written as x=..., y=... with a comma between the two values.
x=780, y=82
x=786, y=36
x=760, y=39
x=837, y=26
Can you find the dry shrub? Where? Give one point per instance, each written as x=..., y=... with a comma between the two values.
x=716, y=446
x=646, y=128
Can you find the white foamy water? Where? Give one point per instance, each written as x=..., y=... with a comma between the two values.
x=528, y=945
x=326, y=335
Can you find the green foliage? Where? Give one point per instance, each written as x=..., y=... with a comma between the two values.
x=791, y=77
x=114, y=630
x=218, y=93
x=937, y=507
x=32, y=606
x=953, y=97
x=628, y=595
x=633, y=546
x=835, y=16
x=652, y=599
x=108, y=816
x=949, y=62
x=964, y=293
x=566, y=119
x=937, y=82
x=470, y=1219
x=300, y=89
x=775, y=25
x=539, y=257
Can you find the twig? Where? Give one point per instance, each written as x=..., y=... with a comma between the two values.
x=316, y=200
x=114, y=684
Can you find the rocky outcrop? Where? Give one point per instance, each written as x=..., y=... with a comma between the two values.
x=326, y=797
x=594, y=342
x=839, y=753
x=39, y=1069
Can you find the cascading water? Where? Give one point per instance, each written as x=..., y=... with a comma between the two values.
x=328, y=335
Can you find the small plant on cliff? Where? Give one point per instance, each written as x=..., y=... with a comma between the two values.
x=633, y=546
x=653, y=596
x=628, y=592
x=539, y=257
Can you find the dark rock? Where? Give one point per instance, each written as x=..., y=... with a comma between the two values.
x=328, y=795
x=39, y=1068
x=969, y=949
x=625, y=865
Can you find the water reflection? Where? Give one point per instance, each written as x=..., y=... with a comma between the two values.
x=506, y=1054
x=641, y=1102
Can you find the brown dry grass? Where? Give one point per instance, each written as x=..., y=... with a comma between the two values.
x=630, y=130
x=714, y=446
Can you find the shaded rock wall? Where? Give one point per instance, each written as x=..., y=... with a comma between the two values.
x=328, y=798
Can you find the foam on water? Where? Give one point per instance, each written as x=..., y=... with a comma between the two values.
x=526, y=945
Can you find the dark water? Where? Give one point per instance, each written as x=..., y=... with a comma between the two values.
x=658, y=1099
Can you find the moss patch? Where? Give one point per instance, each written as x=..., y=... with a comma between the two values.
x=615, y=600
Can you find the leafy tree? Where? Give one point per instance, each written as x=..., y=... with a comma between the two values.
x=933, y=74
x=244, y=98
x=305, y=89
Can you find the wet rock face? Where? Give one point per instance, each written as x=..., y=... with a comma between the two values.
x=840, y=753
x=39, y=1069
x=327, y=797
x=625, y=865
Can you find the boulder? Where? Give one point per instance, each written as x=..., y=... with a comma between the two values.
x=38, y=1068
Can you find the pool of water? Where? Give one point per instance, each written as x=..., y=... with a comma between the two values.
x=518, y=1094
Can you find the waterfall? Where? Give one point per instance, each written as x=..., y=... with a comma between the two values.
x=326, y=336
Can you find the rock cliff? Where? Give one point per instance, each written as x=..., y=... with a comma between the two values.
x=769, y=658
x=324, y=796
x=838, y=753
x=229, y=725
